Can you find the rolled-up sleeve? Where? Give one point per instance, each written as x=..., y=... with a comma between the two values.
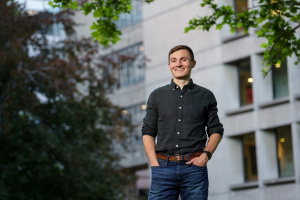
x=150, y=121
x=213, y=121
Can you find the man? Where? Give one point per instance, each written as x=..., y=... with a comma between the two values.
x=180, y=115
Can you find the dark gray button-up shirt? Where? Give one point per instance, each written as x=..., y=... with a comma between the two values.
x=181, y=119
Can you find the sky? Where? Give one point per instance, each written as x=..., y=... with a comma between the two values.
x=38, y=5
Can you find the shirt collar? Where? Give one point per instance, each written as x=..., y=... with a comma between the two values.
x=190, y=85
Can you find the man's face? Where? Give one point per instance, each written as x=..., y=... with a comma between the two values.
x=181, y=65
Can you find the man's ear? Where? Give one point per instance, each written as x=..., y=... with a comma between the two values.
x=194, y=63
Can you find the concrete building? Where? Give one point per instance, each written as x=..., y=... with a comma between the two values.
x=259, y=156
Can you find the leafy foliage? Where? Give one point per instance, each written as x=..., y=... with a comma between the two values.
x=277, y=21
x=106, y=13
x=56, y=124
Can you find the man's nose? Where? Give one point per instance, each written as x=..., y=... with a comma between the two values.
x=178, y=63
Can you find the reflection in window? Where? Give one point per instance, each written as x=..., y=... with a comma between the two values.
x=135, y=15
x=245, y=83
x=280, y=80
x=285, y=151
x=126, y=66
x=240, y=6
x=249, y=155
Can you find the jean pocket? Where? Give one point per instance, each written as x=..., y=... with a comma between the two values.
x=202, y=167
x=162, y=162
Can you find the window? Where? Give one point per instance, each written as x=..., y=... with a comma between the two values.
x=35, y=6
x=280, y=81
x=125, y=66
x=135, y=115
x=285, y=151
x=245, y=83
x=240, y=6
x=238, y=82
x=135, y=15
x=243, y=171
x=249, y=155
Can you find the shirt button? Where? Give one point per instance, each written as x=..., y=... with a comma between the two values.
x=177, y=86
x=179, y=107
x=176, y=145
x=178, y=133
x=181, y=96
x=179, y=120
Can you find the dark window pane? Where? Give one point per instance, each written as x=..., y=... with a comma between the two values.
x=249, y=154
x=280, y=81
x=245, y=81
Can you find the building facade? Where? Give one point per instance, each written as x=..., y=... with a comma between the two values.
x=259, y=155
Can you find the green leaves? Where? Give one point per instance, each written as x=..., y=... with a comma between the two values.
x=264, y=45
x=259, y=33
x=239, y=25
x=219, y=26
x=87, y=8
x=232, y=29
x=64, y=4
x=273, y=20
x=74, y=5
x=106, y=13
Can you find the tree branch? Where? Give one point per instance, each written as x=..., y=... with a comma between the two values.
x=293, y=30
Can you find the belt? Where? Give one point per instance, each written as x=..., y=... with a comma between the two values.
x=178, y=157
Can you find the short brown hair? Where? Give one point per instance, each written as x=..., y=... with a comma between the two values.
x=179, y=47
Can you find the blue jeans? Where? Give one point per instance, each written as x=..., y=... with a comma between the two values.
x=171, y=179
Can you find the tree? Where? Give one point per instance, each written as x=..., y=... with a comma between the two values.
x=56, y=123
x=106, y=14
x=277, y=21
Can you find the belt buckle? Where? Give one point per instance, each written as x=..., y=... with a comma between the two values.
x=177, y=157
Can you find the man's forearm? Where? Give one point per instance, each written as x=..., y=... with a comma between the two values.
x=149, y=144
x=213, y=142
x=211, y=146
